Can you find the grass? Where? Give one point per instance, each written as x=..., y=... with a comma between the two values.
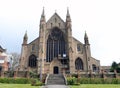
x=97, y=86
x=17, y=86
x=81, y=86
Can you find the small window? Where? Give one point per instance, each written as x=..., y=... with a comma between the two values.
x=59, y=24
x=78, y=47
x=51, y=25
x=33, y=47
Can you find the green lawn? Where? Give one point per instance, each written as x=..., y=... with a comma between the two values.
x=97, y=86
x=81, y=86
x=17, y=86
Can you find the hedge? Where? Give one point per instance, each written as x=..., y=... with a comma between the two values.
x=15, y=80
x=74, y=81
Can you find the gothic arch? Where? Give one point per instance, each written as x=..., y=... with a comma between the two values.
x=94, y=67
x=32, y=61
x=79, y=64
x=55, y=44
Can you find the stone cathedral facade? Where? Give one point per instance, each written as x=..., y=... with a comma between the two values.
x=55, y=50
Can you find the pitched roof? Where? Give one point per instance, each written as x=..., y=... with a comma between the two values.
x=1, y=49
x=55, y=15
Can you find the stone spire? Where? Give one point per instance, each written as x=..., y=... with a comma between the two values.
x=68, y=18
x=25, y=39
x=43, y=15
x=86, y=39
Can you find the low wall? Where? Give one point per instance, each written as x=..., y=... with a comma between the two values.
x=27, y=74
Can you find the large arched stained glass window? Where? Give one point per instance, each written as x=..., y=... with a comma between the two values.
x=55, y=44
x=79, y=64
x=32, y=61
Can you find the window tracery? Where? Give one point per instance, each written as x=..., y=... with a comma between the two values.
x=55, y=44
x=78, y=64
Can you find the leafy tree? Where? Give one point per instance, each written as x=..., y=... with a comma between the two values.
x=115, y=66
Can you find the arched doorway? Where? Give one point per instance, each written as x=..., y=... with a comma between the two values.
x=56, y=70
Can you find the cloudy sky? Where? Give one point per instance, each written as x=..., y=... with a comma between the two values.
x=100, y=19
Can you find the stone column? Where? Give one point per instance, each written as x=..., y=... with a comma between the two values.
x=90, y=74
x=115, y=74
x=15, y=74
x=28, y=75
x=102, y=74
x=2, y=73
x=78, y=72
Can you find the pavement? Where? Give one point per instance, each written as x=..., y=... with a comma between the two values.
x=55, y=86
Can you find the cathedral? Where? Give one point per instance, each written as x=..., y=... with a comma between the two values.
x=55, y=50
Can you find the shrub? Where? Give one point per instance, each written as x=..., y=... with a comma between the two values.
x=36, y=82
x=15, y=80
x=73, y=81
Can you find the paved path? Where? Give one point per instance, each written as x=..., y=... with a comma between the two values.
x=55, y=86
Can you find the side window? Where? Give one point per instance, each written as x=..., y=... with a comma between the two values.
x=33, y=47
x=78, y=47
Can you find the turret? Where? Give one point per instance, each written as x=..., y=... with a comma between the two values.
x=69, y=41
x=42, y=22
x=87, y=52
x=86, y=40
x=43, y=16
x=68, y=18
x=42, y=44
x=25, y=38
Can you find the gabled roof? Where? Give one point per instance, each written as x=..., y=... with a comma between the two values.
x=77, y=40
x=55, y=15
x=1, y=49
x=33, y=40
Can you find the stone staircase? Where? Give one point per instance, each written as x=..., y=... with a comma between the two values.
x=56, y=79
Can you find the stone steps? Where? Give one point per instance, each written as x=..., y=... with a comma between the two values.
x=56, y=79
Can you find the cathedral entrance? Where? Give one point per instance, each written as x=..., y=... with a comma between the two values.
x=56, y=70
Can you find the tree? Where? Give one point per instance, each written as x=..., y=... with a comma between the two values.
x=15, y=60
x=115, y=66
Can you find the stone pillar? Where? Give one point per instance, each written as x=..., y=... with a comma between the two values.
x=63, y=72
x=78, y=76
x=115, y=74
x=15, y=74
x=28, y=74
x=78, y=72
x=90, y=74
x=102, y=74
x=2, y=73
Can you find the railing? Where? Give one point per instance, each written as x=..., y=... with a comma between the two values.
x=46, y=79
x=65, y=79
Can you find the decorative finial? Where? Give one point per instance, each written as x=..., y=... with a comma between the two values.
x=43, y=13
x=55, y=11
x=68, y=11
